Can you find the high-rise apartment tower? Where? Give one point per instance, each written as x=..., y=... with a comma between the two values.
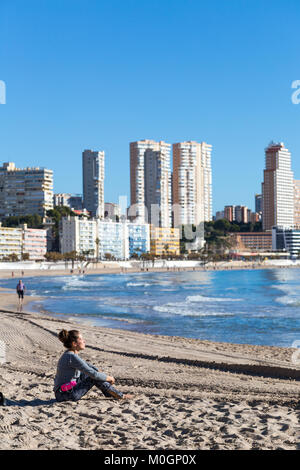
x=278, y=187
x=192, y=182
x=25, y=191
x=150, y=182
x=93, y=182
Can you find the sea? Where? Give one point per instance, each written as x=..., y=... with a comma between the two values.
x=258, y=307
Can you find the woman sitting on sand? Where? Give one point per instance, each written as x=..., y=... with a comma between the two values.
x=75, y=377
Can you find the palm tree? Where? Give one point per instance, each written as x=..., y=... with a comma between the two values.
x=97, y=245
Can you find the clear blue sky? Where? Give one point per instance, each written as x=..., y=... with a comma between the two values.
x=98, y=74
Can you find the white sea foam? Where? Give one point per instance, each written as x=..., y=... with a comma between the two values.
x=288, y=300
x=137, y=284
x=174, y=309
x=202, y=298
x=75, y=283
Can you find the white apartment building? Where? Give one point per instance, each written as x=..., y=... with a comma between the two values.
x=192, y=183
x=150, y=182
x=78, y=235
x=23, y=240
x=93, y=182
x=113, y=240
x=278, y=188
x=11, y=241
x=34, y=242
x=25, y=191
x=101, y=238
x=157, y=189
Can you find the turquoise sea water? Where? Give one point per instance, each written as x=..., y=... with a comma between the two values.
x=239, y=306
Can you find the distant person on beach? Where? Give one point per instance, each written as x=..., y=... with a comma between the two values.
x=20, y=291
x=75, y=377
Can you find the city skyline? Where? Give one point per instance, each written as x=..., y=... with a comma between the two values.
x=104, y=90
x=98, y=156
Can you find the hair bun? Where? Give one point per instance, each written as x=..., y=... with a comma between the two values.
x=68, y=337
x=63, y=336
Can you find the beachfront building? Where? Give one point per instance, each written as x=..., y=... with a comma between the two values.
x=122, y=240
x=278, y=188
x=286, y=239
x=138, y=236
x=11, y=242
x=34, y=243
x=150, y=182
x=25, y=191
x=21, y=241
x=112, y=240
x=164, y=241
x=78, y=234
x=253, y=241
x=93, y=182
x=192, y=183
x=103, y=239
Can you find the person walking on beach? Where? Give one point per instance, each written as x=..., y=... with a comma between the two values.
x=20, y=291
x=75, y=377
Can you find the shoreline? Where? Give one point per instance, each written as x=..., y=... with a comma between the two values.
x=19, y=270
x=189, y=394
x=34, y=304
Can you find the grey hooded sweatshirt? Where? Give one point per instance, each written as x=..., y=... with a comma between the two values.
x=69, y=367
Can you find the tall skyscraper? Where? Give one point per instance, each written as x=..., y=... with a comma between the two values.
x=158, y=186
x=150, y=182
x=278, y=187
x=25, y=190
x=192, y=182
x=93, y=182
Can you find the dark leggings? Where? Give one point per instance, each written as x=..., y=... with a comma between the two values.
x=83, y=385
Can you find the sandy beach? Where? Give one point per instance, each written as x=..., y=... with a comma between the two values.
x=23, y=270
x=189, y=394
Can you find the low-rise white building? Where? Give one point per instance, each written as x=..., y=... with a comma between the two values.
x=10, y=241
x=102, y=239
x=34, y=242
x=22, y=240
x=113, y=240
x=78, y=235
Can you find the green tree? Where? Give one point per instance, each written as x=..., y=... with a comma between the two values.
x=32, y=221
x=53, y=256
